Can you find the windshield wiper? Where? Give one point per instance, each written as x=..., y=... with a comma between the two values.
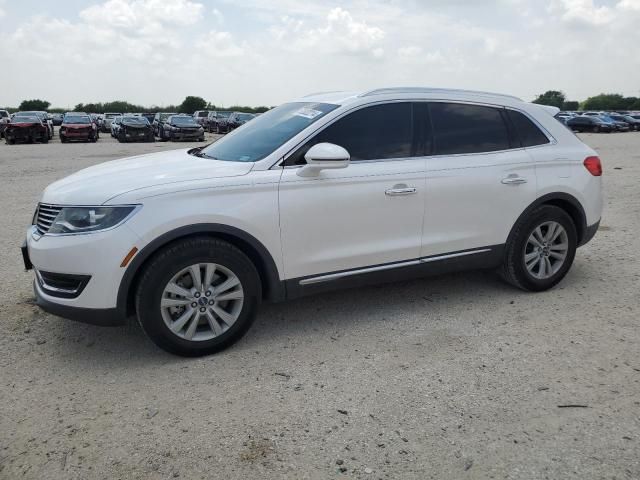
x=197, y=152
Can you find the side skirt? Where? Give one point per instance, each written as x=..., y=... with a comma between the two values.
x=474, y=259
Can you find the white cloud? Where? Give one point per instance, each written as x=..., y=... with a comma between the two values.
x=219, y=44
x=2, y=11
x=340, y=33
x=632, y=5
x=146, y=16
x=583, y=12
x=217, y=15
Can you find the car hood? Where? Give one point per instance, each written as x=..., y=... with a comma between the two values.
x=171, y=169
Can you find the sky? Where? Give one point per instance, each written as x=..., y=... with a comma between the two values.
x=265, y=52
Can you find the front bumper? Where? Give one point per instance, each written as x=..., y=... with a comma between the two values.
x=178, y=136
x=95, y=257
x=104, y=317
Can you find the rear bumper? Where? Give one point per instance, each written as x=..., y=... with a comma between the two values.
x=104, y=317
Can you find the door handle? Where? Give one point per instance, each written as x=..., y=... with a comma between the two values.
x=400, y=190
x=514, y=180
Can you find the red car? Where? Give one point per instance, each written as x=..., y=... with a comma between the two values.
x=26, y=129
x=78, y=126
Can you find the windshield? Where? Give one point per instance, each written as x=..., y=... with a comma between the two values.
x=111, y=115
x=223, y=114
x=78, y=119
x=264, y=134
x=164, y=116
x=25, y=119
x=203, y=113
x=3, y=114
x=244, y=117
x=138, y=120
x=187, y=121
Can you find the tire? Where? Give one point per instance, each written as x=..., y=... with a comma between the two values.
x=121, y=138
x=171, y=266
x=519, y=247
x=10, y=142
x=161, y=135
x=63, y=139
x=201, y=139
x=596, y=129
x=45, y=139
x=93, y=139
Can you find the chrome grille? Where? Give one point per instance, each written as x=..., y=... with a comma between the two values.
x=45, y=215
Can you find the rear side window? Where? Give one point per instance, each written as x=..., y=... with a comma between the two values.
x=460, y=128
x=528, y=132
x=378, y=132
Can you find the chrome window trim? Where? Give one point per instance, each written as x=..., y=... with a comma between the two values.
x=552, y=141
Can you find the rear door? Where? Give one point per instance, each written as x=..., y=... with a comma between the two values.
x=479, y=179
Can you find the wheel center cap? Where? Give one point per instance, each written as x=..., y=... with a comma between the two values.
x=203, y=301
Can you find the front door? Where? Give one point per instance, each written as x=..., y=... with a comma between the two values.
x=368, y=214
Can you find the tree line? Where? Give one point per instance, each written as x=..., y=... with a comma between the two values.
x=604, y=101
x=555, y=98
x=189, y=105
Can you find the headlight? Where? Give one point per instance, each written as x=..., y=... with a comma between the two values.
x=89, y=219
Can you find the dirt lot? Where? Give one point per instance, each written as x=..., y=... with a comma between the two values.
x=453, y=377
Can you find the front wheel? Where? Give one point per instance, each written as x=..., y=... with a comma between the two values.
x=198, y=296
x=540, y=249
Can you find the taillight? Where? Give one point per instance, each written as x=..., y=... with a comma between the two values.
x=593, y=165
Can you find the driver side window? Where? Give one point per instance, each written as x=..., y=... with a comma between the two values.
x=378, y=132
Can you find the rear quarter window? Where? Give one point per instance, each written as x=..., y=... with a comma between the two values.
x=528, y=132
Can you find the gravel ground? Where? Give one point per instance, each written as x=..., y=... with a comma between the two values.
x=455, y=377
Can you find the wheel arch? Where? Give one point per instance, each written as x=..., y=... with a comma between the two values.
x=565, y=201
x=272, y=287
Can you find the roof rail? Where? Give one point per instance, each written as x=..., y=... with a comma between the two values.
x=314, y=94
x=383, y=91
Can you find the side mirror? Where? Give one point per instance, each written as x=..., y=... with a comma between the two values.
x=324, y=156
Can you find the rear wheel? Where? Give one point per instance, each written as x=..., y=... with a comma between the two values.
x=198, y=296
x=540, y=250
x=596, y=129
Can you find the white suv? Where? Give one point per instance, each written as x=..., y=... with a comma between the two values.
x=329, y=191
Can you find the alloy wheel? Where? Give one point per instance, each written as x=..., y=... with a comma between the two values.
x=546, y=250
x=202, y=301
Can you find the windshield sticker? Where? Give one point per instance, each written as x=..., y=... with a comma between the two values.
x=309, y=113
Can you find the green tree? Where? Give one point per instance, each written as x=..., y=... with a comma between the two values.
x=191, y=104
x=570, y=105
x=553, y=98
x=605, y=101
x=34, y=104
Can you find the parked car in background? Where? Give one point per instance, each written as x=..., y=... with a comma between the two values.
x=56, y=119
x=200, y=117
x=324, y=192
x=158, y=120
x=97, y=119
x=633, y=123
x=217, y=122
x=617, y=126
x=44, y=117
x=181, y=127
x=149, y=116
x=237, y=119
x=4, y=121
x=108, y=118
x=585, y=123
x=26, y=128
x=115, y=125
x=135, y=129
x=78, y=126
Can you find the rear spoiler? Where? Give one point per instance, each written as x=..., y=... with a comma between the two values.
x=553, y=111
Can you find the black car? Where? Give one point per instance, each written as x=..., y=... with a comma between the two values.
x=181, y=127
x=158, y=120
x=589, y=124
x=634, y=123
x=26, y=128
x=149, y=116
x=217, y=122
x=56, y=119
x=135, y=129
x=237, y=119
